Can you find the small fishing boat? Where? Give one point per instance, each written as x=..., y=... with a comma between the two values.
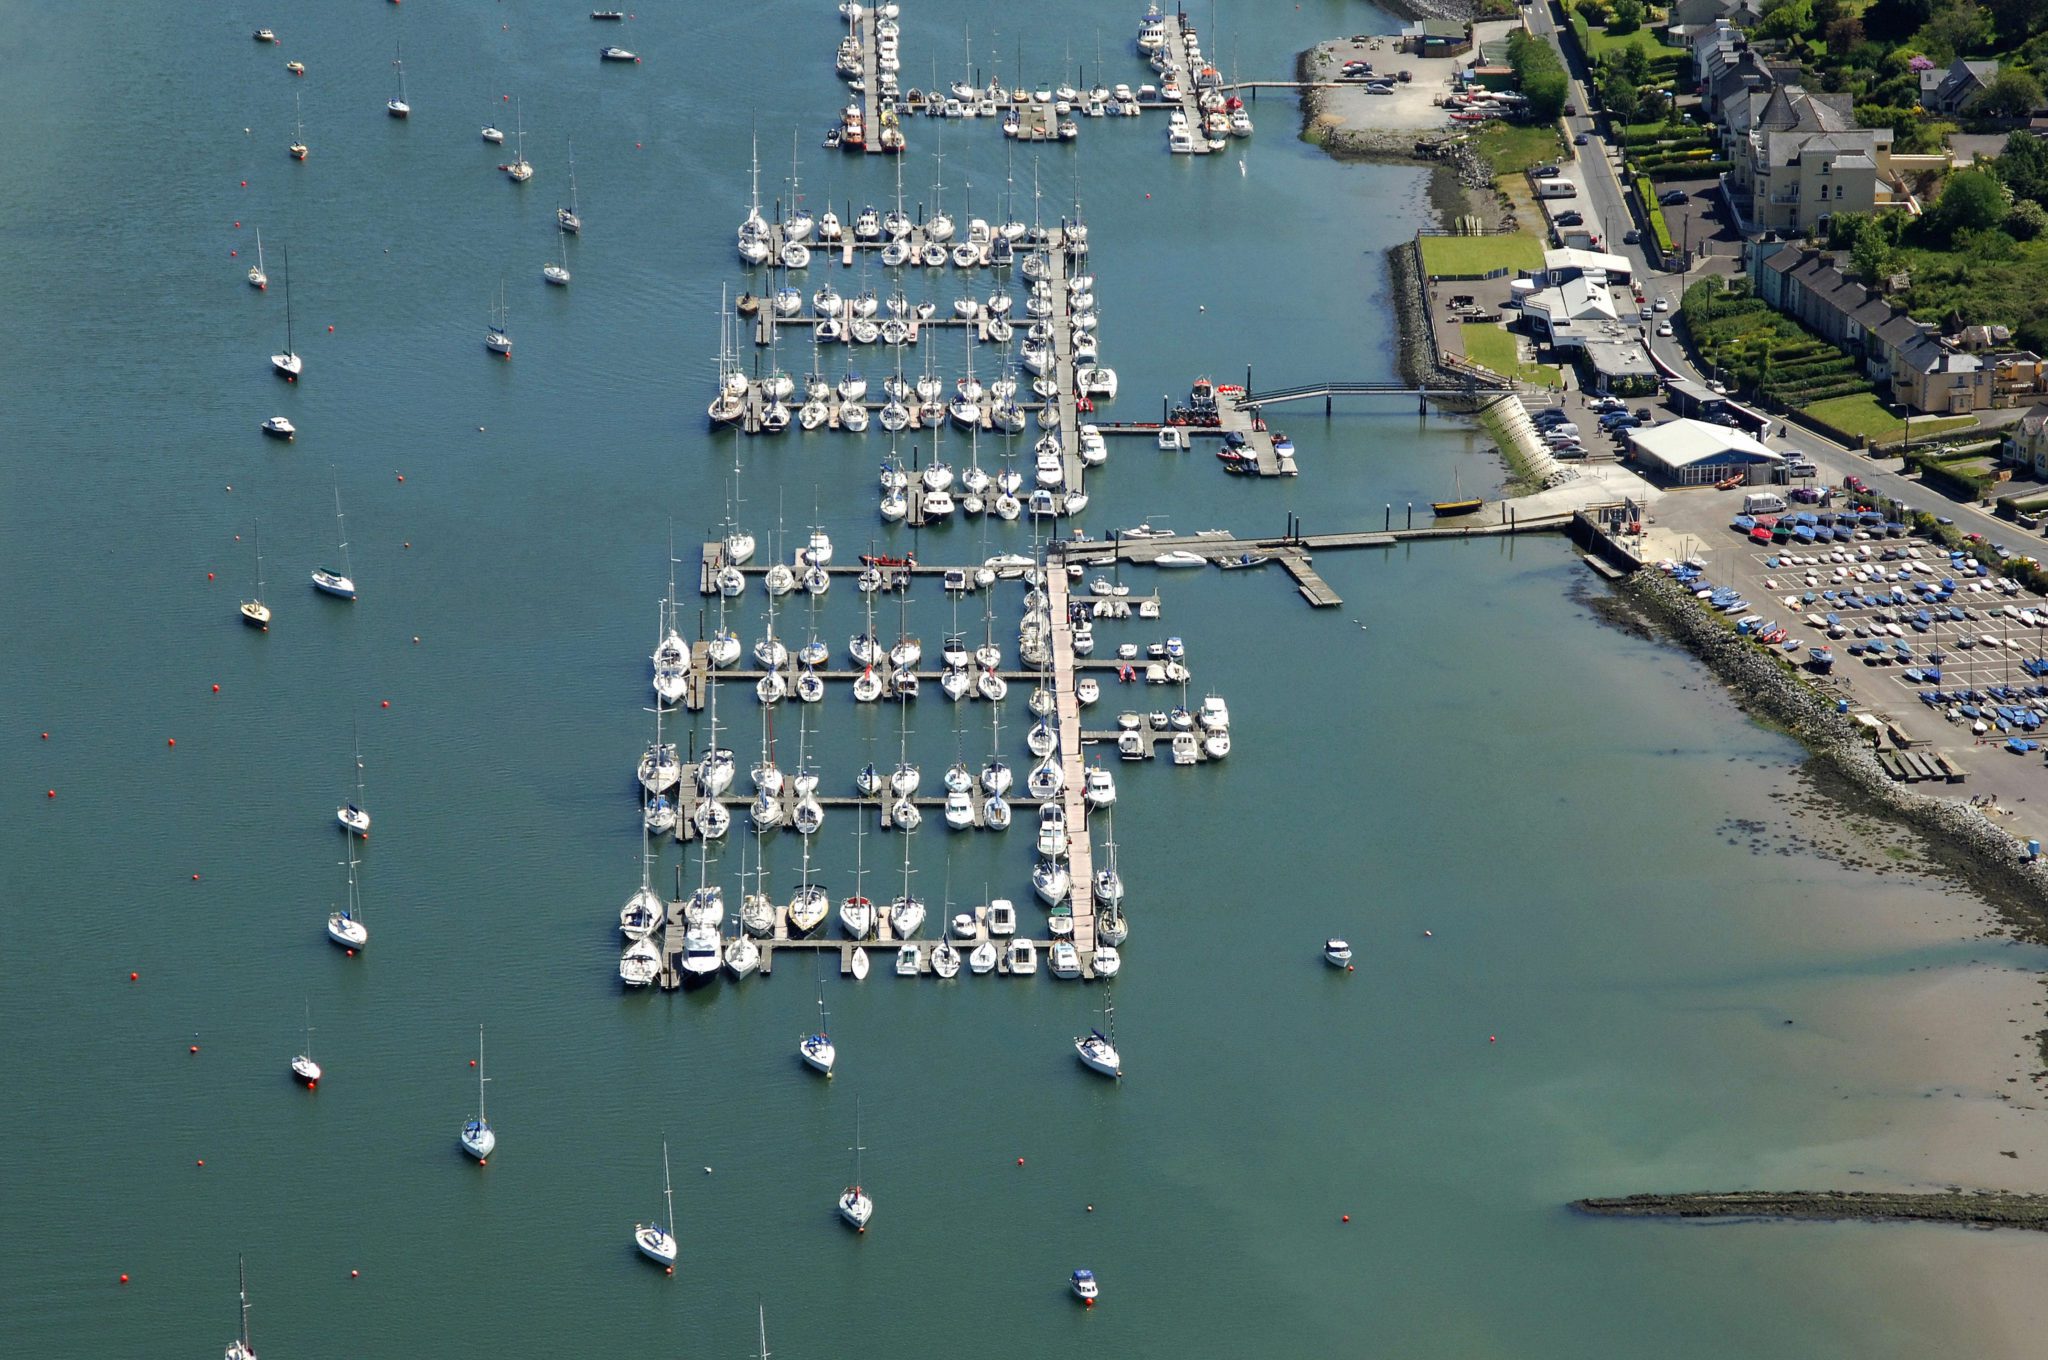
x=278, y=427
x=1084, y=1287
x=615, y=54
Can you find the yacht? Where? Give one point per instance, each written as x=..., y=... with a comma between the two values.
x=1052, y=830
x=640, y=964
x=1021, y=957
x=1337, y=953
x=1049, y=878
x=479, y=1140
x=1107, y=961
x=906, y=960
x=701, y=955
x=1099, y=788
x=1002, y=917
x=239, y=1348
x=816, y=1047
x=1062, y=960
x=656, y=1242
x=854, y=1204
x=345, y=927
x=995, y=813
x=303, y=1066
x=1097, y=1050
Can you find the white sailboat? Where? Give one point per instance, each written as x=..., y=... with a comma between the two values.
x=254, y=612
x=518, y=169
x=568, y=218
x=478, y=1138
x=857, y=913
x=816, y=1048
x=498, y=339
x=352, y=815
x=288, y=364
x=811, y=903
x=906, y=913
x=340, y=584
x=1097, y=1050
x=345, y=927
x=298, y=147
x=303, y=1066
x=656, y=1242
x=855, y=1206
x=557, y=272
x=398, y=107
x=239, y=1348
x=257, y=278
x=644, y=912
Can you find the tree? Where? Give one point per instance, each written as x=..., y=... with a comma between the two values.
x=1971, y=201
x=1953, y=31
x=1893, y=21
x=1872, y=256
x=1785, y=19
x=2024, y=167
x=1539, y=73
x=1652, y=107
x=1625, y=16
x=1844, y=35
x=2012, y=93
x=2017, y=20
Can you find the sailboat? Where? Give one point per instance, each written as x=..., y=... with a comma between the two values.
x=303, y=1066
x=288, y=363
x=857, y=913
x=518, y=169
x=298, y=146
x=1097, y=1050
x=816, y=1048
x=345, y=927
x=239, y=1348
x=352, y=815
x=558, y=274
x=656, y=1243
x=567, y=218
x=1459, y=504
x=326, y=579
x=906, y=913
x=257, y=278
x=255, y=613
x=478, y=1139
x=497, y=339
x=398, y=108
x=854, y=1205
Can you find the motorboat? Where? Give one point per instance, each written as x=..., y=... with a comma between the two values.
x=615, y=54
x=981, y=960
x=906, y=960
x=1099, y=787
x=1337, y=953
x=1106, y=961
x=1021, y=957
x=1214, y=714
x=1052, y=830
x=1062, y=960
x=1083, y=1282
x=1002, y=918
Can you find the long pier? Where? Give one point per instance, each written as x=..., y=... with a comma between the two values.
x=1080, y=853
x=1177, y=44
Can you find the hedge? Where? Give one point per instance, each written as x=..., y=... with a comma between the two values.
x=1691, y=170
x=1659, y=228
x=1949, y=481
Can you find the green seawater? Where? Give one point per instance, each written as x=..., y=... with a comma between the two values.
x=1598, y=1006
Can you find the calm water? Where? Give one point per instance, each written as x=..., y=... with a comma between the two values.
x=1480, y=761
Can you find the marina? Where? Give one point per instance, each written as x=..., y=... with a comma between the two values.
x=472, y=639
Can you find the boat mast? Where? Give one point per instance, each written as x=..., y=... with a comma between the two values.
x=242, y=1288
x=347, y=569
x=480, y=1077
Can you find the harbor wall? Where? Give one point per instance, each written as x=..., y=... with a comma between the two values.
x=1958, y=837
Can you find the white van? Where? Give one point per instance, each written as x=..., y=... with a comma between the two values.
x=1556, y=188
x=1762, y=503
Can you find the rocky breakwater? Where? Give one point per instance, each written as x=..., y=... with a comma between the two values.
x=1957, y=836
x=1963, y=1208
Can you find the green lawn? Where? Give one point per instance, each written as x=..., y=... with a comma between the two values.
x=1512, y=149
x=1471, y=256
x=1497, y=349
x=1599, y=42
x=1863, y=415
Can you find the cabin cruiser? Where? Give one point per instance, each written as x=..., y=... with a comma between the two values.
x=1337, y=953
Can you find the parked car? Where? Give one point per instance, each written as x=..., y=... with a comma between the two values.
x=1571, y=219
x=1379, y=88
x=1546, y=172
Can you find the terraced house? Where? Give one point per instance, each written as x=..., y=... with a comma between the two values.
x=1912, y=362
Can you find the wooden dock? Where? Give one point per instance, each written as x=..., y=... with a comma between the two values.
x=877, y=117
x=1080, y=854
x=1177, y=57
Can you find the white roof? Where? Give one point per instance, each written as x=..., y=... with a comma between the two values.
x=1577, y=299
x=1681, y=443
x=1586, y=259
